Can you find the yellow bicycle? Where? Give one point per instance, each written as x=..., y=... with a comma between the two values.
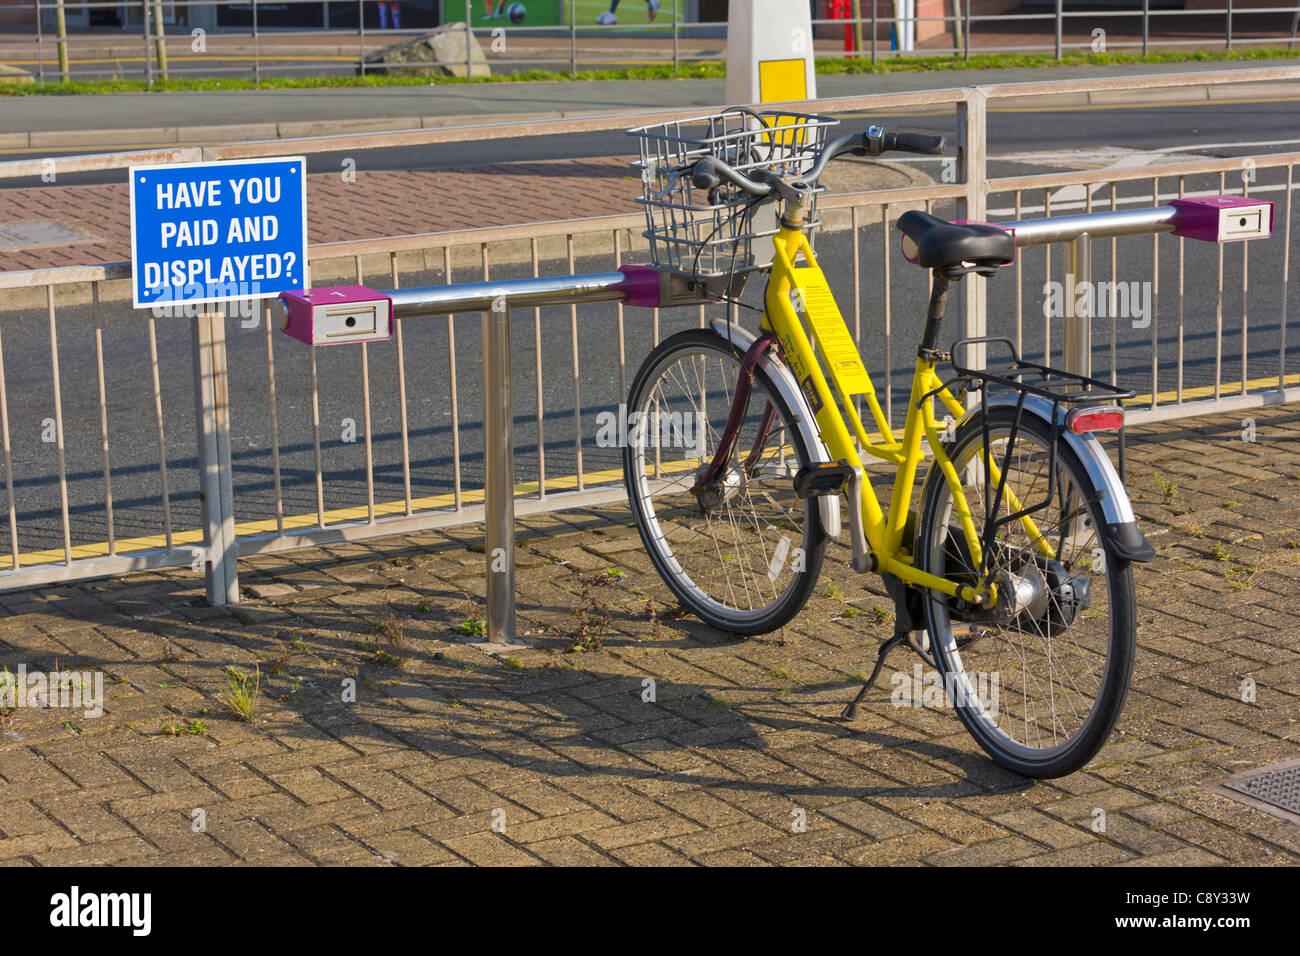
x=1011, y=574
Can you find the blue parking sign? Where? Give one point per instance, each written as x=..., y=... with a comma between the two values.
x=211, y=232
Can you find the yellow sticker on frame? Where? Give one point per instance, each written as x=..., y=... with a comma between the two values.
x=831, y=331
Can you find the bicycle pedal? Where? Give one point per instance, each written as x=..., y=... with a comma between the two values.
x=819, y=478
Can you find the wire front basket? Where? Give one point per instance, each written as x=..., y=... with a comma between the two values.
x=712, y=232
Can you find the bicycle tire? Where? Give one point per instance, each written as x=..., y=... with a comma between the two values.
x=934, y=552
x=664, y=522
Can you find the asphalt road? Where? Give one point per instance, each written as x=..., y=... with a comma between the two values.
x=1215, y=129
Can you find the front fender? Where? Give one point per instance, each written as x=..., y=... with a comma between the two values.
x=783, y=380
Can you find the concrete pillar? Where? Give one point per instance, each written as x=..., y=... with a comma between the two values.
x=769, y=52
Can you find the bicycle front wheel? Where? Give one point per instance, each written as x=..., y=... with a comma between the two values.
x=744, y=552
x=1039, y=679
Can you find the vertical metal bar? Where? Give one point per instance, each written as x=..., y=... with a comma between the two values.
x=257, y=56
x=857, y=285
x=1286, y=278
x=225, y=473
x=365, y=402
x=499, y=491
x=1047, y=277
x=1245, y=285
x=103, y=415
x=361, y=32
x=537, y=357
x=1058, y=29
x=874, y=23
x=275, y=420
x=315, y=436
x=58, y=426
x=573, y=49
x=1182, y=188
x=972, y=139
x=1155, y=299
x=162, y=439
x=210, y=393
x=1227, y=27
x=677, y=60
x=966, y=37
x=622, y=346
x=469, y=41
x=1114, y=322
x=9, y=465
x=1218, y=316
x=401, y=393
x=577, y=392
x=455, y=401
x=1020, y=298
x=148, y=53
x=1078, y=323
x=1146, y=26
x=887, y=308
x=40, y=44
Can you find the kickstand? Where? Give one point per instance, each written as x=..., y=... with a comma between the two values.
x=908, y=613
x=852, y=711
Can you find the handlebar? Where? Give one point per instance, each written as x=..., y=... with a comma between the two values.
x=710, y=172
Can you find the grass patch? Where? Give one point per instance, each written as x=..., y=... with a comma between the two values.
x=240, y=695
x=195, y=728
x=1167, y=488
x=390, y=641
x=711, y=69
x=472, y=626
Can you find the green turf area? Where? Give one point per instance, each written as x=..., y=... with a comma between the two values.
x=555, y=13
x=704, y=70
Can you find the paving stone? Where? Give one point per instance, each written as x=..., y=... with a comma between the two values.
x=743, y=735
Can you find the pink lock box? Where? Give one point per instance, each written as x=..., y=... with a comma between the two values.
x=335, y=315
x=1223, y=218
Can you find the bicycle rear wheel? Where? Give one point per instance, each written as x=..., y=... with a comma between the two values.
x=1038, y=680
x=744, y=553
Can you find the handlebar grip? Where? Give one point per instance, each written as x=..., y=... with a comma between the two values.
x=704, y=174
x=914, y=143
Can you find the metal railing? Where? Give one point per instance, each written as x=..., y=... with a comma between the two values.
x=417, y=462
x=262, y=49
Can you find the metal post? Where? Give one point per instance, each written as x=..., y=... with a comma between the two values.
x=875, y=13
x=677, y=59
x=972, y=130
x=40, y=43
x=1227, y=28
x=361, y=32
x=573, y=38
x=857, y=28
x=148, y=53
x=469, y=41
x=966, y=38
x=216, y=492
x=1058, y=29
x=1146, y=25
x=499, y=490
x=160, y=41
x=257, y=62
x=1078, y=324
x=61, y=30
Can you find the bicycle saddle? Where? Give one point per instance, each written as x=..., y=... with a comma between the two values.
x=956, y=249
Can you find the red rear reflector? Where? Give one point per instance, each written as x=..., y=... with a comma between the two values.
x=1104, y=418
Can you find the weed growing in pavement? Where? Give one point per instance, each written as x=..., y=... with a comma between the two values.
x=240, y=695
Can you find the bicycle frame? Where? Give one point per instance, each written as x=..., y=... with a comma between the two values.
x=839, y=424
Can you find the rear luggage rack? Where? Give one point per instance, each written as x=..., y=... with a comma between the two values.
x=1060, y=387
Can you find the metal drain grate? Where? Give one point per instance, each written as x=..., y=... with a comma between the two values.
x=37, y=234
x=1274, y=789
